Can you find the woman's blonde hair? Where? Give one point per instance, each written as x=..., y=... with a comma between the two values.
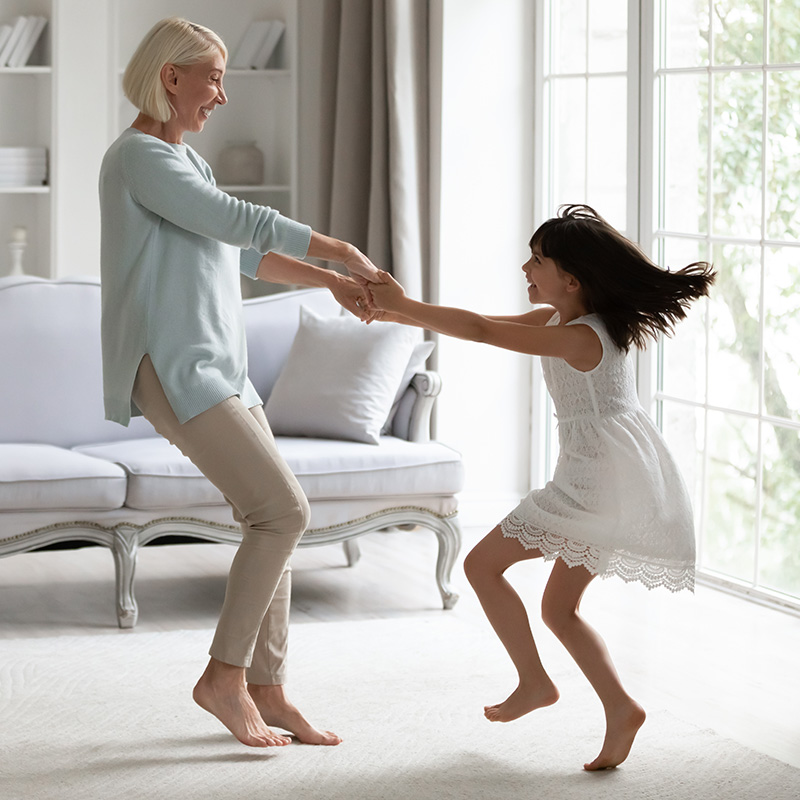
x=170, y=41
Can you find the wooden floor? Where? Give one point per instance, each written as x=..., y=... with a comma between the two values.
x=715, y=660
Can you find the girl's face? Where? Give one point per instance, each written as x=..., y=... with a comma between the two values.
x=195, y=91
x=547, y=282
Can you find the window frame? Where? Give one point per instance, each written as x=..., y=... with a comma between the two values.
x=645, y=169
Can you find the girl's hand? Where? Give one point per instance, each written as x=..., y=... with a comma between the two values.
x=387, y=294
x=388, y=316
x=354, y=297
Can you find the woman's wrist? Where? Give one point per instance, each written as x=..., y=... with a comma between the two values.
x=330, y=279
x=329, y=249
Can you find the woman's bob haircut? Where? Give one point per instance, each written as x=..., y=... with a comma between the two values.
x=171, y=41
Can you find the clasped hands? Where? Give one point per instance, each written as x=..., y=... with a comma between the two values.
x=380, y=298
x=369, y=293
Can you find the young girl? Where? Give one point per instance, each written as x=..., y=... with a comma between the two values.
x=617, y=504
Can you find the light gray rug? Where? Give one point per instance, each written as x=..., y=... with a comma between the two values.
x=112, y=717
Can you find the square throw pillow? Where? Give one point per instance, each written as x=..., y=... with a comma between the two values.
x=340, y=378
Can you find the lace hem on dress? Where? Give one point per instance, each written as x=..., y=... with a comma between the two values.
x=599, y=562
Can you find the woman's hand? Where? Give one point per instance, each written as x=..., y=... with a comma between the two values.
x=386, y=294
x=354, y=297
x=361, y=269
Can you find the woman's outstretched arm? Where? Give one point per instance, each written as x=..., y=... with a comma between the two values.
x=356, y=263
x=277, y=268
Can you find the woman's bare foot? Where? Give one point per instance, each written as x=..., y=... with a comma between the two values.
x=222, y=692
x=521, y=701
x=621, y=729
x=275, y=709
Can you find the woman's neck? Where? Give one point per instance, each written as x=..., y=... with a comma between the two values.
x=166, y=131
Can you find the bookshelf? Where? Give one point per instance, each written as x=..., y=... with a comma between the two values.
x=28, y=92
x=68, y=99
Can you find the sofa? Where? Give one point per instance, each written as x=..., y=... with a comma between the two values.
x=67, y=474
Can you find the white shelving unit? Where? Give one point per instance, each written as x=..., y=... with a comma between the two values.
x=26, y=100
x=262, y=104
x=70, y=102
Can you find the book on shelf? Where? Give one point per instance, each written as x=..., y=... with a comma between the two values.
x=5, y=32
x=269, y=44
x=258, y=44
x=17, y=27
x=29, y=39
x=18, y=43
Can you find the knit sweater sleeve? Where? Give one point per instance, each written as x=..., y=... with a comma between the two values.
x=162, y=179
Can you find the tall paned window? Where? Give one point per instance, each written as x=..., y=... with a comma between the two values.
x=679, y=120
x=727, y=149
x=585, y=152
x=585, y=92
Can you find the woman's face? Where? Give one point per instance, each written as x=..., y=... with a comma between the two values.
x=195, y=91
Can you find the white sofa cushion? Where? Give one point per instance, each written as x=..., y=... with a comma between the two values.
x=50, y=352
x=35, y=477
x=160, y=476
x=340, y=378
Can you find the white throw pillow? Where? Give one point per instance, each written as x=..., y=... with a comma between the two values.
x=340, y=378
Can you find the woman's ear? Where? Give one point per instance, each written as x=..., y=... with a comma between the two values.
x=169, y=78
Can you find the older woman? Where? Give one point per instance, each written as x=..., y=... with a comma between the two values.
x=173, y=245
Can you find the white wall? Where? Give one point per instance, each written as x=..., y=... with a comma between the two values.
x=81, y=82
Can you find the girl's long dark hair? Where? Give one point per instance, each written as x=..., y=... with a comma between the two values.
x=636, y=299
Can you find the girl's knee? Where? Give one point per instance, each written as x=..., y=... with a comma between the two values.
x=476, y=566
x=557, y=615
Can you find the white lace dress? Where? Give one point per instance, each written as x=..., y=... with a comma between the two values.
x=617, y=504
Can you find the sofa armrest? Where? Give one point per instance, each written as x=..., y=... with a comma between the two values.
x=412, y=421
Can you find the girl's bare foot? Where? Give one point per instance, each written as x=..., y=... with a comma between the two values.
x=521, y=701
x=222, y=692
x=275, y=709
x=621, y=729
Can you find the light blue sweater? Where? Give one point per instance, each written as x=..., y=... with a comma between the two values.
x=172, y=247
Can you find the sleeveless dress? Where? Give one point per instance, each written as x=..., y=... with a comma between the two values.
x=617, y=504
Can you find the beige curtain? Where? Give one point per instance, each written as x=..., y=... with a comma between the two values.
x=377, y=89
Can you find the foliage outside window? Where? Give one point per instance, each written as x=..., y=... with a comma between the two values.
x=715, y=98
x=727, y=91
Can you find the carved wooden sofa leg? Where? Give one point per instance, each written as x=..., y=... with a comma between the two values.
x=125, y=549
x=352, y=552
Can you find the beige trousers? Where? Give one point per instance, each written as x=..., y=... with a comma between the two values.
x=235, y=449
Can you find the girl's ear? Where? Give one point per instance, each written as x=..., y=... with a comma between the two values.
x=169, y=78
x=572, y=283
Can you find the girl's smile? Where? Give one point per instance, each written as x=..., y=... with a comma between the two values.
x=544, y=277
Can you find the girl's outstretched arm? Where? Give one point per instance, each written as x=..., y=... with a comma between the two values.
x=578, y=345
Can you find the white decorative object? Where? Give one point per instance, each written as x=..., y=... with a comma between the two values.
x=241, y=164
x=16, y=246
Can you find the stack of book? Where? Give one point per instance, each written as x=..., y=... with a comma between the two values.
x=18, y=39
x=23, y=166
x=258, y=45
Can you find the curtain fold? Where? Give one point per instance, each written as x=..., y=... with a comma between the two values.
x=377, y=71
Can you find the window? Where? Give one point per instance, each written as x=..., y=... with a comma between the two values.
x=726, y=115
x=711, y=109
